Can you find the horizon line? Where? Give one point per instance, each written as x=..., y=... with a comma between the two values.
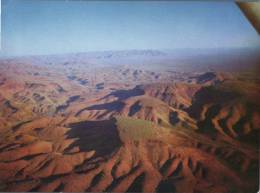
x=123, y=50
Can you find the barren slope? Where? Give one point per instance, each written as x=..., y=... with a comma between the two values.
x=149, y=132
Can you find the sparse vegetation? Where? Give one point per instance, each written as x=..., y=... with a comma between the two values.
x=135, y=129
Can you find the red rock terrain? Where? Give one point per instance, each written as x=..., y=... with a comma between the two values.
x=73, y=129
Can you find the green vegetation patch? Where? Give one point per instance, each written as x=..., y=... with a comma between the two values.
x=135, y=129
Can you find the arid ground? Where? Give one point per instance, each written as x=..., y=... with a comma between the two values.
x=129, y=121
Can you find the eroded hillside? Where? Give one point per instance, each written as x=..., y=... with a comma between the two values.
x=72, y=129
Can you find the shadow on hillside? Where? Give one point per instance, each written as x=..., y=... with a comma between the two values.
x=101, y=136
x=125, y=94
x=210, y=95
x=113, y=106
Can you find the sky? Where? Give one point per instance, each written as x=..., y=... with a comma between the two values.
x=32, y=27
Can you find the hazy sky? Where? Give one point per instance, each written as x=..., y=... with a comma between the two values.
x=49, y=26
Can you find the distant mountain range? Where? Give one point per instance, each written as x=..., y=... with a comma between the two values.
x=237, y=58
